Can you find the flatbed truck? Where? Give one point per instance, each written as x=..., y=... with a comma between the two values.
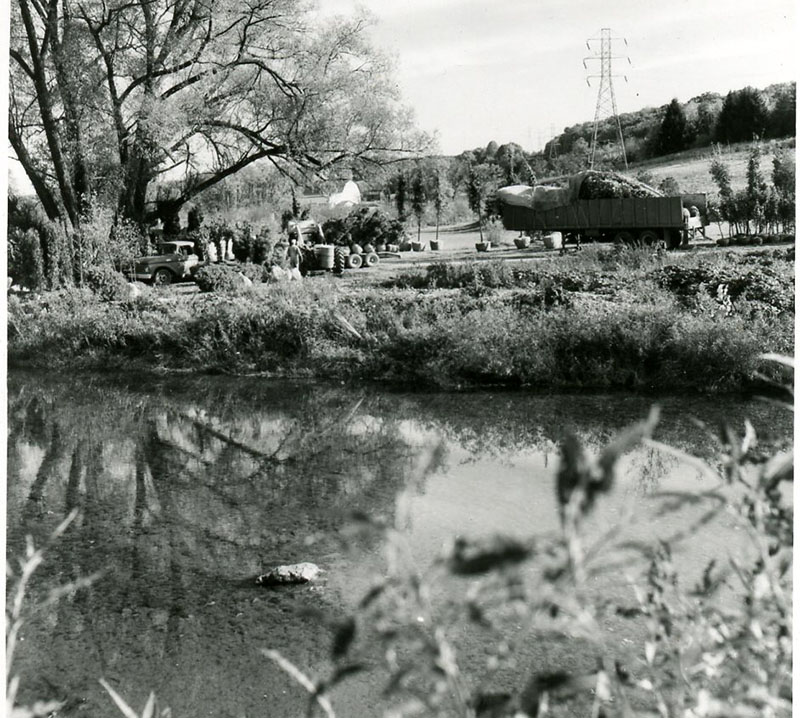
x=648, y=220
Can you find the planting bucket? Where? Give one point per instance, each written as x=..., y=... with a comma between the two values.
x=553, y=240
x=324, y=253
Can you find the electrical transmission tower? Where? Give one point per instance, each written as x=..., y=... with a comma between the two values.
x=606, y=101
x=553, y=143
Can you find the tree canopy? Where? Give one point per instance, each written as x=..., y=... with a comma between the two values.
x=743, y=116
x=108, y=97
x=672, y=133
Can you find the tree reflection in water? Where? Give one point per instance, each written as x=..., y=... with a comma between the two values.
x=188, y=488
x=182, y=500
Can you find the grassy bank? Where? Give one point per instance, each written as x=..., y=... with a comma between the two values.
x=602, y=319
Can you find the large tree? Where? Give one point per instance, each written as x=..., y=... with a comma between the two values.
x=743, y=116
x=672, y=133
x=108, y=97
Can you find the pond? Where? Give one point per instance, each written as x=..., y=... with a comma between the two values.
x=187, y=488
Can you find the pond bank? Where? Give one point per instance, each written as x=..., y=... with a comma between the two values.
x=629, y=320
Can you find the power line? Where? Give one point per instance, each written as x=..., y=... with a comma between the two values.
x=606, y=100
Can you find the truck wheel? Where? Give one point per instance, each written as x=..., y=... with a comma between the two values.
x=162, y=277
x=354, y=261
x=371, y=259
x=623, y=237
x=649, y=238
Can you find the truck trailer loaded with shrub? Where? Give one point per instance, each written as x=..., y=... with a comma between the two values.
x=603, y=206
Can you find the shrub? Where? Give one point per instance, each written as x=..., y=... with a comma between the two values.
x=25, y=262
x=107, y=283
x=251, y=247
x=364, y=225
x=53, y=254
x=226, y=277
x=256, y=273
x=194, y=219
x=763, y=284
x=128, y=241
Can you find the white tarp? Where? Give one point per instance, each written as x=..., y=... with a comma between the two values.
x=539, y=197
x=347, y=198
x=519, y=195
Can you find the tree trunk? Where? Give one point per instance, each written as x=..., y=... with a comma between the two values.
x=43, y=192
x=49, y=124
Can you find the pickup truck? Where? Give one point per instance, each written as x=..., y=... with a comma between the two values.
x=172, y=263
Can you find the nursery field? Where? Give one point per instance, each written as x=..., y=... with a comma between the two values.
x=690, y=169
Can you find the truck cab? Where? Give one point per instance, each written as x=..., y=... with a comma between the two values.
x=172, y=263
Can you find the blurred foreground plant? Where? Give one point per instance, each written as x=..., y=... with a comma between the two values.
x=19, y=611
x=721, y=648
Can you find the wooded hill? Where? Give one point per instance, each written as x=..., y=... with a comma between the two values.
x=654, y=131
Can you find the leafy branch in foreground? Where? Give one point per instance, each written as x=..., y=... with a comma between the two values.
x=720, y=648
x=18, y=613
x=21, y=611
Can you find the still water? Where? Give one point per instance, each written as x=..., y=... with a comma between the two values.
x=188, y=488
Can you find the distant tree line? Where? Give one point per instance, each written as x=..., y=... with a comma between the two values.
x=708, y=118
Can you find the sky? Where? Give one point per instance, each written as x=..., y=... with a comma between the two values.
x=512, y=70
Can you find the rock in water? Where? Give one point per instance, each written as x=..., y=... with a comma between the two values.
x=285, y=575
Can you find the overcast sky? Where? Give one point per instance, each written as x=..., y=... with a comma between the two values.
x=509, y=70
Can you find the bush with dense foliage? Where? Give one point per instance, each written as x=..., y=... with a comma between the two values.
x=40, y=254
x=228, y=277
x=578, y=322
x=107, y=283
x=25, y=261
x=364, y=225
x=760, y=283
x=252, y=246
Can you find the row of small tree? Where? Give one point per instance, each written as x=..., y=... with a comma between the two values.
x=49, y=255
x=425, y=184
x=759, y=207
x=476, y=174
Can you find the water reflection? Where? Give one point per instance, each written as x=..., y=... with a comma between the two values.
x=187, y=488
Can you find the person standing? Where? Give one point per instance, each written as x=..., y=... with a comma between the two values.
x=293, y=257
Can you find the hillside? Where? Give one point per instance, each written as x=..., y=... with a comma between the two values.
x=690, y=169
x=774, y=114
